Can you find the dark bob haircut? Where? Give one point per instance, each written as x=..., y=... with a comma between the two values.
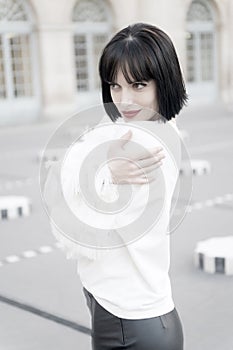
x=143, y=52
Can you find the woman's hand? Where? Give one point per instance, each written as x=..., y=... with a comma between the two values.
x=133, y=170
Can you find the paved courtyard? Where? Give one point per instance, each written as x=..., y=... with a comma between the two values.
x=41, y=300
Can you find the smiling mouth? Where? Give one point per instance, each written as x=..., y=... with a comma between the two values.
x=131, y=114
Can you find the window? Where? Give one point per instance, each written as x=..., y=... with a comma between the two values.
x=12, y=10
x=99, y=41
x=81, y=62
x=15, y=50
x=199, y=11
x=21, y=66
x=91, y=32
x=206, y=56
x=190, y=57
x=2, y=73
x=200, y=42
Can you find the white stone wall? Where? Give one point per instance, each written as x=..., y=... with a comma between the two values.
x=55, y=41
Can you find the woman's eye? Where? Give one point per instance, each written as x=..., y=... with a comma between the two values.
x=139, y=86
x=114, y=86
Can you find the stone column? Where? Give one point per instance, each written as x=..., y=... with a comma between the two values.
x=57, y=69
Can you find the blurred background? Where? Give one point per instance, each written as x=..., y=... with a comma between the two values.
x=49, y=53
x=49, y=50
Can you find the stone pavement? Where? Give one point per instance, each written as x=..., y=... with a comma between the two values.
x=48, y=282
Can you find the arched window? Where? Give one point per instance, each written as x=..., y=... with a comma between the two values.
x=19, y=87
x=199, y=11
x=15, y=50
x=200, y=43
x=92, y=27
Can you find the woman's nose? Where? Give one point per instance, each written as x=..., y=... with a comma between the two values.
x=126, y=96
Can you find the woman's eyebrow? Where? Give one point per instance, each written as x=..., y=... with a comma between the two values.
x=139, y=81
x=111, y=82
x=132, y=82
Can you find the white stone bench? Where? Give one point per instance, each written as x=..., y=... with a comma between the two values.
x=12, y=207
x=215, y=255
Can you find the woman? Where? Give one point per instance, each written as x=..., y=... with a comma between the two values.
x=141, y=81
x=128, y=290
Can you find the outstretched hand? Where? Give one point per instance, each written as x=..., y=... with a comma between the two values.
x=137, y=169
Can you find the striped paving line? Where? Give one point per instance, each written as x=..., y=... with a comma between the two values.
x=208, y=203
x=28, y=254
x=12, y=184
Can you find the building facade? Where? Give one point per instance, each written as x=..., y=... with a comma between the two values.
x=49, y=51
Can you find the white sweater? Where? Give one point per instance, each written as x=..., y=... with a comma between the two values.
x=131, y=281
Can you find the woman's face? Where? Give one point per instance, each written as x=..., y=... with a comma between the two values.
x=135, y=101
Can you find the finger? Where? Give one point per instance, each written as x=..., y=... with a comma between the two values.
x=139, y=180
x=148, y=153
x=149, y=161
x=148, y=170
x=144, y=180
x=117, y=145
x=156, y=149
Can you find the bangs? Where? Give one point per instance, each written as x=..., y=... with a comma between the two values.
x=127, y=58
x=143, y=52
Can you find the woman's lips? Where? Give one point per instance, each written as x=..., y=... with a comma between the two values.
x=131, y=114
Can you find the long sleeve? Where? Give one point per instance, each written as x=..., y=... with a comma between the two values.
x=66, y=186
x=151, y=202
x=62, y=183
